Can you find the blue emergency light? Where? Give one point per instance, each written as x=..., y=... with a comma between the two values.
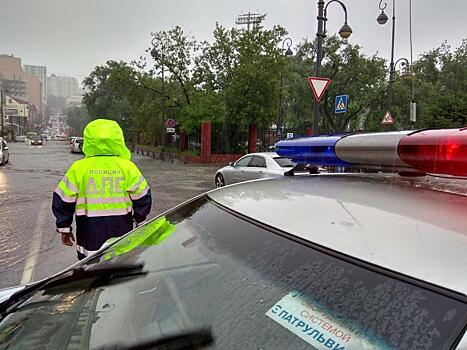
x=318, y=150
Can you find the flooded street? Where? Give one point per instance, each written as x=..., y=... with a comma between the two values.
x=30, y=249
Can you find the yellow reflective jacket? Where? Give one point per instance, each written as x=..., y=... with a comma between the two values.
x=105, y=189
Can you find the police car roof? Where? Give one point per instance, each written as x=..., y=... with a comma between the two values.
x=413, y=226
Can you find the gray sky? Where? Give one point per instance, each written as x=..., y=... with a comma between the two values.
x=70, y=37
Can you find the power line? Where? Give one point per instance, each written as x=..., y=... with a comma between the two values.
x=249, y=18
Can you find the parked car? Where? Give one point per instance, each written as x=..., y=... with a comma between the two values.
x=61, y=137
x=4, y=151
x=253, y=166
x=76, y=145
x=20, y=138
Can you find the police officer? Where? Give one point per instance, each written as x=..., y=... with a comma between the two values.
x=105, y=190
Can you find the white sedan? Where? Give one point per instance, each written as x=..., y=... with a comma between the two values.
x=253, y=166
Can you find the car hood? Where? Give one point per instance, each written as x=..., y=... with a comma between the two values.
x=383, y=220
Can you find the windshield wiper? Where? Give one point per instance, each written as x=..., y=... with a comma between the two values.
x=103, y=274
x=188, y=340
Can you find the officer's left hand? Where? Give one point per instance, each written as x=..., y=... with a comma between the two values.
x=68, y=239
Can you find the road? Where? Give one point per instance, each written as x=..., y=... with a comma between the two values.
x=30, y=249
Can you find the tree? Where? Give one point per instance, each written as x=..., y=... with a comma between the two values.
x=118, y=91
x=441, y=87
x=77, y=118
x=240, y=71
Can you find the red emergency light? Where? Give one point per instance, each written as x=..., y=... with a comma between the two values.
x=442, y=151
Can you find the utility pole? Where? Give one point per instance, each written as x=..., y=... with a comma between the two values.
x=248, y=19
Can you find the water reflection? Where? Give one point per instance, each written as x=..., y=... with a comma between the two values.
x=3, y=183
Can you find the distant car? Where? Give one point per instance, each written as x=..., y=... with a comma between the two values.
x=37, y=141
x=61, y=137
x=77, y=145
x=20, y=138
x=4, y=152
x=253, y=166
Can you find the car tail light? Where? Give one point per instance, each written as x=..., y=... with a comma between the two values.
x=441, y=151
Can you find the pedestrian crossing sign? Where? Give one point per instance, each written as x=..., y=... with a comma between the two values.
x=341, y=103
x=387, y=119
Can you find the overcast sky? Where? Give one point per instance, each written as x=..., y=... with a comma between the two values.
x=70, y=37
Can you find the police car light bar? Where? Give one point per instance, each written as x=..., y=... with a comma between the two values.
x=311, y=150
x=442, y=151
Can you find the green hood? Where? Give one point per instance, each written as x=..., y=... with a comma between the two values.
x=103, y=137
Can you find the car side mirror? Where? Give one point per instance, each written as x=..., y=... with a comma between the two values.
x=231, y=164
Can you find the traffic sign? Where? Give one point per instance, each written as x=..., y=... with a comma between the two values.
x=170, y=130
x=170, y=123
x=290, y=135
x=387, y=119
x=340, y=105
x=319, y=86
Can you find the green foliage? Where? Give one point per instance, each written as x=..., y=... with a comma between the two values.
x=239, y=74
x=77, y=118
x=235, y=81
x=441, y=87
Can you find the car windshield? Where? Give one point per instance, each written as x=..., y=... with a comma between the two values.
x=210, y=268
x=284, y=162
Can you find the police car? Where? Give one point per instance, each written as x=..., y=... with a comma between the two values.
x=329, y=261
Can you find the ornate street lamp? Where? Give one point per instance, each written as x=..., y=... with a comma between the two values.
x=382, y=20
x=287, y=52
x=345, y=31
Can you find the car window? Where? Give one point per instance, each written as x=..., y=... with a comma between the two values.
x=258, y=162
x=284, y=162
x=258, y=287
x=244, y=161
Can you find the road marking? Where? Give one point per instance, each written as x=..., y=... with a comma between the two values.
x=35, y=245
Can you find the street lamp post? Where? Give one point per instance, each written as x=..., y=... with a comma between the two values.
x=1, y=110
x=382, y=20
x=345, y=31
x=288, y=52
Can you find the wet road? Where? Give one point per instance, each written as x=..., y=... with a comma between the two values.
x=30, y=249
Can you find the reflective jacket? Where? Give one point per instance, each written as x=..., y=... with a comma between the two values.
x=105, y=190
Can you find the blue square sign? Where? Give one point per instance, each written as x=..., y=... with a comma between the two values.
x=341, y=103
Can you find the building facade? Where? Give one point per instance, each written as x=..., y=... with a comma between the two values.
x=20, y=115
x=61, y=86
x=41, y=73
x=17, y=83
